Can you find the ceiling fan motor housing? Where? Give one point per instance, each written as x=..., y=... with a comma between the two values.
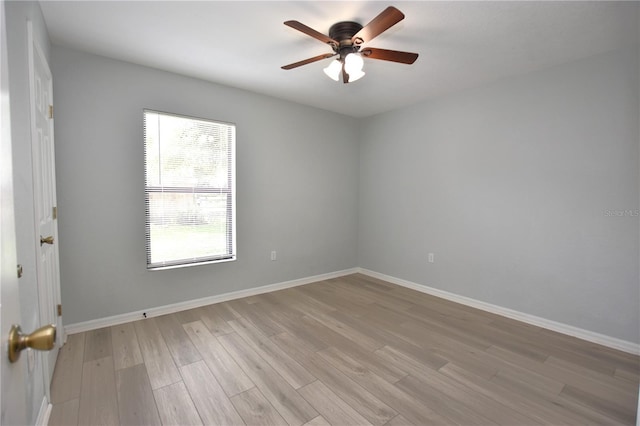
x=343, y=32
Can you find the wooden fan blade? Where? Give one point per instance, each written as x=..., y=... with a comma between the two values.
x=308, y=61
x=385, y=20
x=389, y=55
x=310, y=32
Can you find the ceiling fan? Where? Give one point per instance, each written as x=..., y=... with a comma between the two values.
x=346, y=39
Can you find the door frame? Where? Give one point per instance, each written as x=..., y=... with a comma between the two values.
x=12, y=376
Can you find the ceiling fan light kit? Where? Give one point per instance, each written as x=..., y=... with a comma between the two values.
x=352, y=65
x=333, y=70
x=346, y=39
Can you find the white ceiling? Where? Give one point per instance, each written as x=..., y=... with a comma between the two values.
x=244, y=43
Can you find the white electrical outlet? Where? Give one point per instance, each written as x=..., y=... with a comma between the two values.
x=431, y=258
x=274, y=255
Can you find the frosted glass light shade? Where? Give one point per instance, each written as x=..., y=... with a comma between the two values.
x=333, y=70
x=353, y=63
x=356, y=75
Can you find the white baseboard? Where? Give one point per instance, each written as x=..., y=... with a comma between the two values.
x=601, y=339
x=580, y=333
x=196, y=303
x=44, y=413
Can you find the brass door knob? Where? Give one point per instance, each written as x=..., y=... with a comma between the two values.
x=47, y=240
x=43, y=339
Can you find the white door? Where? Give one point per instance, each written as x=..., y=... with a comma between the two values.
x=13, y=410
x=44, y=193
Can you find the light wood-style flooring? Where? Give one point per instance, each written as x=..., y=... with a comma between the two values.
x=348, y=351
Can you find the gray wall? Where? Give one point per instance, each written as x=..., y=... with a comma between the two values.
x=516, y=188
x=296, y=180
x=17, y=14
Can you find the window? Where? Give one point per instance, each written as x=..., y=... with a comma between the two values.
x=189, y=190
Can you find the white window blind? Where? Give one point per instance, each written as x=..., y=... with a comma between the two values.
x=189, y=190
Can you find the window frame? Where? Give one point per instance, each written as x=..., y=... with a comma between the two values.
x=229, y=190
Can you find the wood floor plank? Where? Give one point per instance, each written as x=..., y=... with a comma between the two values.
x=330, y=296
x=382, y=316
x=517, y=343
x=158, y=361
x=515, y=327
x=603, y=378
x=450, y=326
x=224, y=311
x=177, y=340
x=326, y=333
x=541, y=411
x=255, y=409
x=215, y=322
x=366, y=342
x=348, y=350
x=98, y=396
x=341, y=289
x=213, y=405
x=398, y=421
x=259, y=314
x=253, y=313
x=407, y=405
x=135, y=397
x=437, y=309
x=591, y=415
x=64, y=413
x=615, y=409
x=67, y=376
x=458, y=393
x=222, y=365
x=426, y=357
x=522, y=380
x=602, y=355
x=330, y=406
x=318, y=421
x=295, y=324
x=291, y=406
x=597, y=387
x=538, y=345
x=386, y=371
x=456, y=412
x=370, y=282
x=469, y=357
x=286, y=366
x=175, y=406
x=126, y=350
x=363, y=401
x=97, y=344
x=300, y=299
x=630, y=376
x=187, y=316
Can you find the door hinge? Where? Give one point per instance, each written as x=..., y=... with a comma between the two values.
x=50, y=111
x=20, y=271
x=59, y=310
x=55, y=213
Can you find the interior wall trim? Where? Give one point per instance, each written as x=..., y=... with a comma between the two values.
x=196, y=303
x=590, y=336
x=44, y=413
